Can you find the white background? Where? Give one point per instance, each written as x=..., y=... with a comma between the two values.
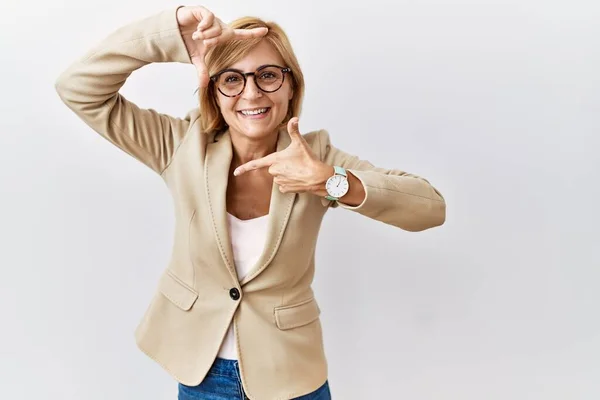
x=497, y=103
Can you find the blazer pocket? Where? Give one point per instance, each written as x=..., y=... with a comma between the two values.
x=177, y=292
x=295, y=315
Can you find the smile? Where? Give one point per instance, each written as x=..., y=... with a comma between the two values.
x=256, y=111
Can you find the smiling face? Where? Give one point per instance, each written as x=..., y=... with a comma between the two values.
x=256, y=114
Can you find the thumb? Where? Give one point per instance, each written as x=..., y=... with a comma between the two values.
x=203, y=78
x=294, y=130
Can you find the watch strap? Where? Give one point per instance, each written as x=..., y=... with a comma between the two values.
x=340, y=171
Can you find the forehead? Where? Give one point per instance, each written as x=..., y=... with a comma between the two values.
x=262, y=54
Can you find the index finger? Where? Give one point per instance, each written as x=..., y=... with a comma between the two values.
x=204, y=16
x=250, y=33
x=266, y=161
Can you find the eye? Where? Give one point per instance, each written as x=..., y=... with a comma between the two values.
x=267, y=75
x=232, y=78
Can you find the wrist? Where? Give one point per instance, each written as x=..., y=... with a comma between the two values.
x=322, y=173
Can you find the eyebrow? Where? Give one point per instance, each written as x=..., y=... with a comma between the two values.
x=257, y=68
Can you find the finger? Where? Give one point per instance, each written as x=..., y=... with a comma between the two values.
x=211, y=42
x=275, y=170
x=291, y=189
x=200, y=65
x=205, y=17
x=295, y=189
x=266, y=161
x=214, y=31
x=283, y=182
x=294, y=130
x=250, y=33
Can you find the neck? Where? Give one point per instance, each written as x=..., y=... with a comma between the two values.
x=246, y=149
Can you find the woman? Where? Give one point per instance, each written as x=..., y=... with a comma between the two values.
x=234, y=316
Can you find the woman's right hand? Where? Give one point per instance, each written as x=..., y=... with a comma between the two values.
x=201, y=30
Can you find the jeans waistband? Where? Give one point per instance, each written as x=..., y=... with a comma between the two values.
x=225, y=367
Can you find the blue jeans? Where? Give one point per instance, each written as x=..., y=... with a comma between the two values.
x=223, y=382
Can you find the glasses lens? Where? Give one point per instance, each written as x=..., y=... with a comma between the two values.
x=231, y=83
x=269, y=79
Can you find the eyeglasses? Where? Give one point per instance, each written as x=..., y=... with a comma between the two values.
x=232, y=82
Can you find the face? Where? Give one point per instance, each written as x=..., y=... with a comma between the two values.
x=240, y=112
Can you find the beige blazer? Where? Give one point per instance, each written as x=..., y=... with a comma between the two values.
x=276, y=316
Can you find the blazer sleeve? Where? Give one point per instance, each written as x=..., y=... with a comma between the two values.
x=90, y=88
x=392, y=196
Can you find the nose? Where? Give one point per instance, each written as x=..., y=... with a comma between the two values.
x=251, y=91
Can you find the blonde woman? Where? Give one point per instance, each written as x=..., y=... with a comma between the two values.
x=234, y=315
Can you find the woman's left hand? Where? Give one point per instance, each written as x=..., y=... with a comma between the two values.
x=296, y=169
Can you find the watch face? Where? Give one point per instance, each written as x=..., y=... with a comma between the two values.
x=337, y=186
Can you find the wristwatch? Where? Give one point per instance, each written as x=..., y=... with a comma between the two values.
x=337, y=185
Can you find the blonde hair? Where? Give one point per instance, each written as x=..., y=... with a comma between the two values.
x=223, y=55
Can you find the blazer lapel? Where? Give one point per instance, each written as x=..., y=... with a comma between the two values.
x=216, y=175
x=280, y=209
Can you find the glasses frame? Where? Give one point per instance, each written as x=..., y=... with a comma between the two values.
x=284, y=71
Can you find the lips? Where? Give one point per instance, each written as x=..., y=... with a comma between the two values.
x=254, y=111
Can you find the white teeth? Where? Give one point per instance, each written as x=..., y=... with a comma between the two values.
x=255, y=112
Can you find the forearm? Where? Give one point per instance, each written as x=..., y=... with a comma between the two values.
x=391, y=196
x=405, y=201
x=102, y=71
x=90, y=88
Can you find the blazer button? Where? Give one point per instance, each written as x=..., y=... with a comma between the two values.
x=234, y=293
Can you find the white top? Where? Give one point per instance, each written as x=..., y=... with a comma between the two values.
x=247, y=241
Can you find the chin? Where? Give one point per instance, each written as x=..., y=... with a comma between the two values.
x=256, y=129
x=256, y=132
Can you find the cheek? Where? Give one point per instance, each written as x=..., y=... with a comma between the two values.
x=282, y=105
x=284, y=97
x=227, y=104
x=288, y=92
x=227, y=109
